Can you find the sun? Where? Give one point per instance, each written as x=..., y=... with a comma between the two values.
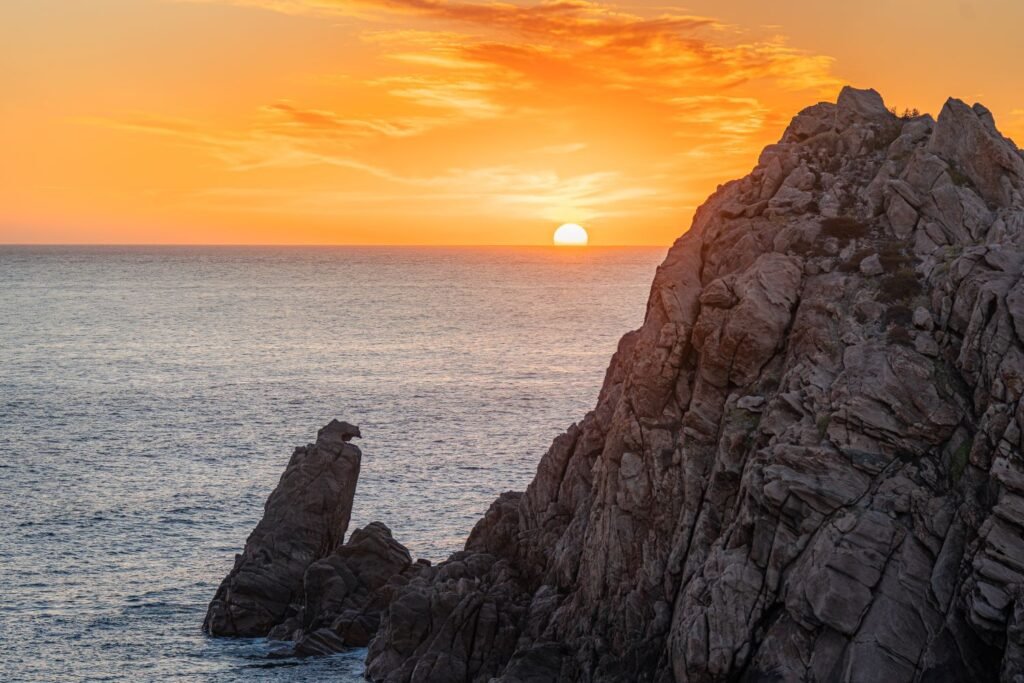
x=570, y=235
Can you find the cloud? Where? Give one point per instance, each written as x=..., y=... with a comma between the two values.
x=590, y=22
x=563, y=18
x=506, y=191
x=677, y=49
x=509, y=190
x=316, y=122
x=145, y=123
x=567, y=148
x=470, y=99
x=720, y=114
x=609, y=112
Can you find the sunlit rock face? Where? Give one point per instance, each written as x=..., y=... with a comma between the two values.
x=804, y=466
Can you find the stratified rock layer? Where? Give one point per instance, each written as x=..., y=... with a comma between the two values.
x=304, y=520
x=804, y=466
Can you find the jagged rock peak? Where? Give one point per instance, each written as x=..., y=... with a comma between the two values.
x=967, y=138
x=806, y=463
x=335, y=433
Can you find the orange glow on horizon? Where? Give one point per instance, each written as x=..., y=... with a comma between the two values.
x=408, y=122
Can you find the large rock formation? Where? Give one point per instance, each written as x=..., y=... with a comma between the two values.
x=303, y=520
x=344, y=594
x=804, y=466
x=294, y=578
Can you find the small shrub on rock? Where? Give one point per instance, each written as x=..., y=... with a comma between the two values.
x=852, y=264
x=897, y=315
x=907, y=114
x=958, y=177
x=808, y=247
x=844, y=228
x=894, y=258
x=897, y=334
x=902, y=285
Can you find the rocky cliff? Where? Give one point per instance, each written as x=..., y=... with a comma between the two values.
x=804, y=466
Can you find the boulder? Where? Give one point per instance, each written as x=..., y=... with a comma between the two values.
x=856, y=106
x=967, y=139
x=345, y=592
x=871, y=265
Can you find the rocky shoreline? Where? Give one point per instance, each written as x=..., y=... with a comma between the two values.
x=805, y=465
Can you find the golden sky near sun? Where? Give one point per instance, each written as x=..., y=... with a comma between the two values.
x=441, y=121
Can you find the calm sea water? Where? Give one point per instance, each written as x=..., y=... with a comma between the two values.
x=150, y=398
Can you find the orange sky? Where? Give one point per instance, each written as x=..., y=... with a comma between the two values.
x=441, y=121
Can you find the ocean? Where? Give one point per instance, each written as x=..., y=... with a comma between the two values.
x=150, y=398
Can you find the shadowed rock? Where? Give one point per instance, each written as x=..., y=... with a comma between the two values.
x=804, y=466
x=304, y=519
x=345, y=592
x=295, y=581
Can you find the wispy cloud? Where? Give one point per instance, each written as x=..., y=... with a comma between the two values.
x=469, y=98
x=567, y=148
x=505, y=191
x=510, y=189
x=574, y=81
x=676, y=49
x=719, y=114
x=317, y=122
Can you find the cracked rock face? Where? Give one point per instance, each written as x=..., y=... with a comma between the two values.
x=804, y=466
x=293, y=556
x=344, y=594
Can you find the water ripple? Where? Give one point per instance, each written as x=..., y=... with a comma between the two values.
x=150, y=398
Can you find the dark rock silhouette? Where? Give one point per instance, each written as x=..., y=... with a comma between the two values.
x=295, y=581
x=345, y=593
x=804, y=466
x=304, y=519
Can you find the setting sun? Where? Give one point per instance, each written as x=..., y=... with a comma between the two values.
x=570, y=235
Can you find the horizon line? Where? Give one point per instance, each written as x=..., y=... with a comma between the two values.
x=320, y=244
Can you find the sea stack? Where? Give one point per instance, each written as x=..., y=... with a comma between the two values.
x=297, y=581
x=304, y=520
x=804, y=466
